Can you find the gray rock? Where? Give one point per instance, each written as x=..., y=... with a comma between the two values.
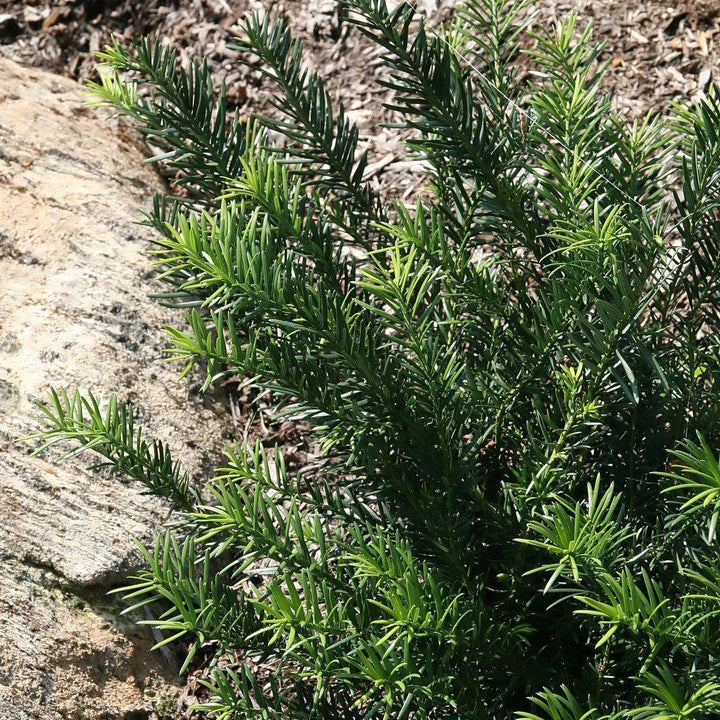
x=74, y=312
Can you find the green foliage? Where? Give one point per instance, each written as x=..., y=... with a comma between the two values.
x=514, y=384
x=114, y=436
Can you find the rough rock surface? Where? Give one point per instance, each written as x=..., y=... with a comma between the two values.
x=74, y=312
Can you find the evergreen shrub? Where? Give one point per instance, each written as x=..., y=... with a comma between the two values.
x=513, y=382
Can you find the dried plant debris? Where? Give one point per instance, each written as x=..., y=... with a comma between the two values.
x=659, y=52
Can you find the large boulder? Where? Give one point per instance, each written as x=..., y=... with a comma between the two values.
x=74, y=312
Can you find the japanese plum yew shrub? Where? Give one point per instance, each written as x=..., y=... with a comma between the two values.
x=513, y=381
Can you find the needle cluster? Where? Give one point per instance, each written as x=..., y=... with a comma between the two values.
x=514, y=383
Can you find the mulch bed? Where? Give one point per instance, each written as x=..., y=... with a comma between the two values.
x=659, y=52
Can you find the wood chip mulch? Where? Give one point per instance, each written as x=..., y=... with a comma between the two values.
x=659, y=52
